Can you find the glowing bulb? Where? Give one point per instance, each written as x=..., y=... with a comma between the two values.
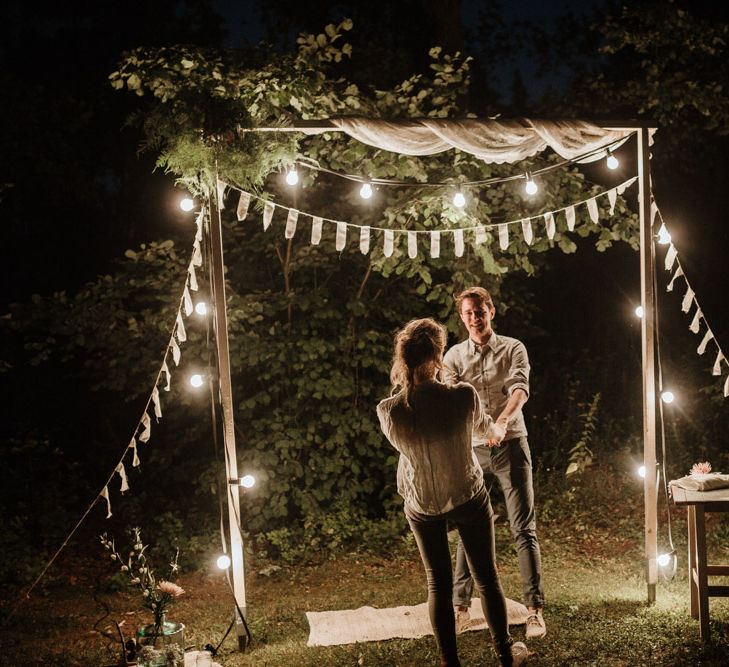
x=201, y=308
x=223, y=562
x=196, y=380
x=530, y=187
x=641, y=472
x=459, y=199
x=365, y=191
x=664, y=238
x=292, y=177
x=667, y=397
x=187, y=204
x=247, y=481
x=639, y=312
x=612, y=161
x=664, y=559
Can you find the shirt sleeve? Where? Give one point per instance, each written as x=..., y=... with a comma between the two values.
x=449, y=373
x=518, y=376
x=383, y=414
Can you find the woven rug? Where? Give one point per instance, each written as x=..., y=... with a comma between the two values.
x=367, y=624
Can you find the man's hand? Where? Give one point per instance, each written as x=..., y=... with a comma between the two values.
x=495, y=434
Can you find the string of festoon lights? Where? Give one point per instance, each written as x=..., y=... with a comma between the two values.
x=142, y=431
x=459, y=198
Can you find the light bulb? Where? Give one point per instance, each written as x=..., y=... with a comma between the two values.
x=365, y=191
x=664, y=559
x=196, y=380
x=639, y=312
x=612, y=161
x=292, y=177
x=664, y=238
x=223, y=562
x=247, y=481
x=459, y=199
x=667, y=397
x=187, y=204
x=201, y=308
x=641, y=472
x=530, y=187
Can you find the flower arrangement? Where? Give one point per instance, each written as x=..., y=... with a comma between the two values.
x=157, y=595
x=703, y=468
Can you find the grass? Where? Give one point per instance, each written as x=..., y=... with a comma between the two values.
x=597, y=612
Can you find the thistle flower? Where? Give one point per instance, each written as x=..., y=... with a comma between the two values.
x=171, y=589
x=702, y=468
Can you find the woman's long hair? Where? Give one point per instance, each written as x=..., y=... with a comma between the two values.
x=418, y=342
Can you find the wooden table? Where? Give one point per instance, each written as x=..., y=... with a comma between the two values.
x=698, y=503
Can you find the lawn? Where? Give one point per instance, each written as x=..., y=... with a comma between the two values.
x=597, y=612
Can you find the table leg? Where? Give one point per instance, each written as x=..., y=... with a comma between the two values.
x=693, y=588
x=702, y=577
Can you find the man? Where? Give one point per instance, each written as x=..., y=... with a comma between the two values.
x=498, y=368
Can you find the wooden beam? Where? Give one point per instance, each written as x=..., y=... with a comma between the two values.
x=647, y=329
x=226, y=400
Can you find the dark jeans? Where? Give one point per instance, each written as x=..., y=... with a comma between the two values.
x=511, y=464
x=474, y=520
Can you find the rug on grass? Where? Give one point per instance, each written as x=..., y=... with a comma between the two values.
x=367, y=624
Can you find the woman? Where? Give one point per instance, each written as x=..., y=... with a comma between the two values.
x=431, y=425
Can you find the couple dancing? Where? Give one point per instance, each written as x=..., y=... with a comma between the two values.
x=449, y=432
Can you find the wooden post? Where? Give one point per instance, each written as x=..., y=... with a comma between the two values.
x=226, y=400
x=647, y=329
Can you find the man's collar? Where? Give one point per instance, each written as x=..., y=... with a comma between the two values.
x=491, y=343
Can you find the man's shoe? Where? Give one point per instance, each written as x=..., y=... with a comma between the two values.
x=519, y=654
x=463, y=619
x=535, y=626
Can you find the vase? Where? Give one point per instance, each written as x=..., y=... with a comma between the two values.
x=161, y=645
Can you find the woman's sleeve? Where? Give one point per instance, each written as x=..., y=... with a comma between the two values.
x=383, y=414
x=484, y=427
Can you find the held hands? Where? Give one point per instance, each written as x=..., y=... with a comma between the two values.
x=496, y=433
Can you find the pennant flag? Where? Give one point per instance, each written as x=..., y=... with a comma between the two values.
x=592, y=210
x=679, y=272
x=156, y=403
x=291, y=223
x=105, y=496
x=147, y=424
x=717, y=364
x=123, y=474
x=670, y=257
x=412, y=244
x=654, y=210
x=187, y=301
x=197, y=255
x=243, y=204
x=316, y=230
x=341, y=239
x=435, y=244
x=175, y=351
x=480, y=235
x=458, y=242
x=193, y=277
x=389, y=243
x=569, y=213
x=624, y=186
x=549, y=222
x=268, y=209
x=694, y=326
x=686, y=303
x=221, y=194
x=702, y=346
x=180, y=328
x=612, y=198
x=526, y=228
x=364, y=240
x=166, y=371
x=503, y=236
x=135, y=457
x=726, y=387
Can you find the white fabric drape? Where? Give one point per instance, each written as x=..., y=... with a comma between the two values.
x=496, y=141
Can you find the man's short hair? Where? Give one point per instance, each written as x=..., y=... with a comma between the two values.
x=476, y=293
